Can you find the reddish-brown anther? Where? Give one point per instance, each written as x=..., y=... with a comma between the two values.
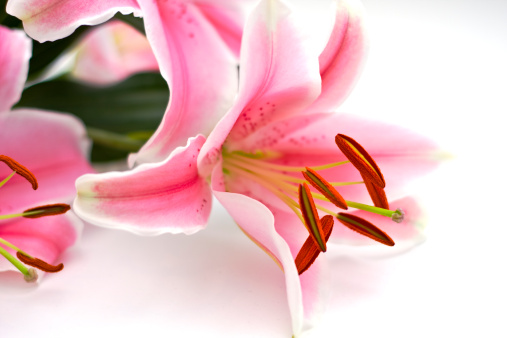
x=47, y=210
x=310, y=216
x=365, y=228
x=377, y=194
x=309, y=251
x=20, y=169
x=39, y=263
x=360, y=158
x=325, y=188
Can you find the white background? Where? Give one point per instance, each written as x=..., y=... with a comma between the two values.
x=437, y=67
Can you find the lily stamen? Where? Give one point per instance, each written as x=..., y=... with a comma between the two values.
x=309, y=251
x=293, y=191
x=5, y=180
x=41, y=211
x=365, y=228
x=46, y=210
x=325, y=188
x=23, y=257
x=20, y=170
x=311, y=217
x=39, y=263
x=360, y=158
x=30, y=275
x=268, y=184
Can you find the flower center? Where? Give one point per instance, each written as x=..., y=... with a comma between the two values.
x=283, y=181
x=30, y=274
x=289, y=185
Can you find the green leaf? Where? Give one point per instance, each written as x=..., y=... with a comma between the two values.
x=6, y=19
x=133, y=21
x=45, y=53
x=129, y=107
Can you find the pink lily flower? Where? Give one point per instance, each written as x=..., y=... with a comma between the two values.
x=111, y=53
x=196, y=43
x=52, y=146
x=252, y=160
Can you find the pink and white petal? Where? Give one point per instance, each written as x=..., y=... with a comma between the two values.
x=111, y=53
x=280, y=235
x=45, y=238
x=343, y=57
x=401, y=154
x=199, y=68
x=53, y=146
x=278, y=78
x=153, y=198
x=15, y=51
x=228, y=17
x=406, y=234
x=315, y=280
x=50, y=20
x=257, y=222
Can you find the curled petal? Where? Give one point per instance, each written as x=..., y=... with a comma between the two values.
x=151, y=199
x=342, y=59
x=257, y=222
x=15, y=51
x=228, y=18
x=278, y=78
x=111, y=53
x=199, y=68
x=55, y=19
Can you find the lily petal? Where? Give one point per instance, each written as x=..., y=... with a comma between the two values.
x=401, y=154
x=15, y=51
x=55, y=19
x=228, y=17
x=199, y=68
x=343, y=57
x=278, y=78
x=277, y=233
x=151, y=199
x=53, y=146
x=111, y=53
x=44, y=238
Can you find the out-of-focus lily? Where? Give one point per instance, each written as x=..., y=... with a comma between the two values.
x=111, y=53
x=47, y=149
x=196, y=43
x=275, y=138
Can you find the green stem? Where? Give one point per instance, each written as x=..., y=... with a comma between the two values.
x=29, y=213
x=114, y=140
x=13, y=247
x=370, y=208
x=331, y=165
x=7, y=178
x=14, y=261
